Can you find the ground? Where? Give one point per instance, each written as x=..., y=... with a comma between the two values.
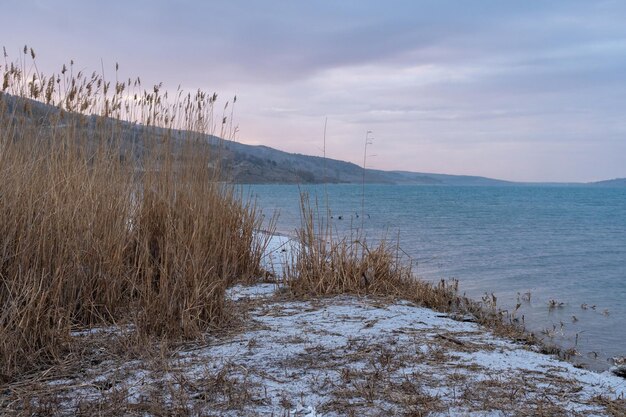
x=345, y=355
x=338, y=356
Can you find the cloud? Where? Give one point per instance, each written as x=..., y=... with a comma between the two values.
x=483, y=88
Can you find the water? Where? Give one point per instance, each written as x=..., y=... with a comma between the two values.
x=566, y=244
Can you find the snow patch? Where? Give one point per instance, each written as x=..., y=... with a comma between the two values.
x=311, y=358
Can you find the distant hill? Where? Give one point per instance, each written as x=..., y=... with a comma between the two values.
x=617, y=182
x=262, y=164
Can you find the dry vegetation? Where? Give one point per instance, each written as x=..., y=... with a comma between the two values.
x=97, y=229
x=326, y=265
x=133, y=230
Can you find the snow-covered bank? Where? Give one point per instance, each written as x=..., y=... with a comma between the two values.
x=345, y=355
x=342, y=355
x=363, y=354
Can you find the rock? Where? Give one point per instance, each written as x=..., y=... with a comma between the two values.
x=619, y=370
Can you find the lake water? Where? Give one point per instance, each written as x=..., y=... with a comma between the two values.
x=566, y=244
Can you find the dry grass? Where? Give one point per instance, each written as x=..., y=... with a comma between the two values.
x=104, y=224
x=283, y=359
x=325, y=265
x=112, y=210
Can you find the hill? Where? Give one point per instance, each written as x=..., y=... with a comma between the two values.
x=248, y=164
x=617, y=182
x=262, y=164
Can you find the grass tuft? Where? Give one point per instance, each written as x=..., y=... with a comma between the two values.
x=113, y=209
x=324, y=265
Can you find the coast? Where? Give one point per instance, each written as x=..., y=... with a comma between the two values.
x=331, y=356
x=557, y=252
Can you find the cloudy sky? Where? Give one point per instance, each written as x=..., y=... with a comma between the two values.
x=518, y=90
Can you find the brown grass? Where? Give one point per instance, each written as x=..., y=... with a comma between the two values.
x=112, y=209
x=102, y=223
x=324, y=265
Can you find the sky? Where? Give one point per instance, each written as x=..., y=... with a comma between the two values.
x=515, y=90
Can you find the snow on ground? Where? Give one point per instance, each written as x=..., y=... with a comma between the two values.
x=276, y=256
x=243, y=292
x=366, y=356
x=343, y=356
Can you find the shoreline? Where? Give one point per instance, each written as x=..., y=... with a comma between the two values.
x=559, y=246
x=553, y=338
x=332, y=356
x=444, y=345
x=323, y=356
x=278, y=241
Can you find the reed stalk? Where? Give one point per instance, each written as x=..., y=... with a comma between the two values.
x=113, y=209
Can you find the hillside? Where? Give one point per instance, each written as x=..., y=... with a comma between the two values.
x=262, y=164
x=617, y=182
x=248, y=164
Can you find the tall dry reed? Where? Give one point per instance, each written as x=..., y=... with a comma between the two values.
x=325, y=264
x=112, y=209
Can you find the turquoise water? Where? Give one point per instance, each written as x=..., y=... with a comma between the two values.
x=559, y=243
